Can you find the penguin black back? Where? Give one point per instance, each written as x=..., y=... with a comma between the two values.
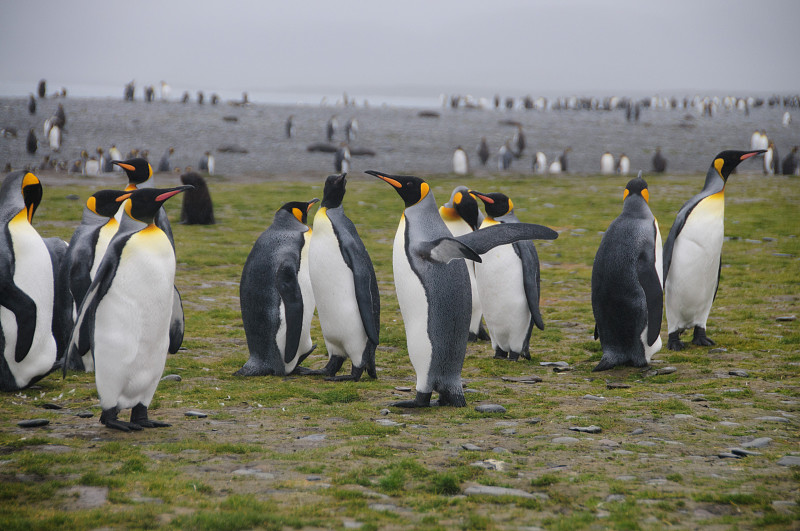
x=197, y=206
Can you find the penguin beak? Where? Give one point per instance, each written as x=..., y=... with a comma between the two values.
x=484, y=198
x=752, y=154
x=310, y=203
x=122, y=198
x=389, y=180
x=173, y=192
x=122, y=165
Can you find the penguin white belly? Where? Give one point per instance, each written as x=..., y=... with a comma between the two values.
x=131, y=333
x=460, y=165
x=694, y=270
x=103, y=238
x=414, y=309
x=502, y=293
x=334, y=291
x=307, y=292
x=33, y=274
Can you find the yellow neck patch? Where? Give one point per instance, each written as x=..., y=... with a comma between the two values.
x=718, y=164
x=423, y=191
x=449, y=214
x=298, y=214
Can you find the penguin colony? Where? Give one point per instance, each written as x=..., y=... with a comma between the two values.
x=62, y=305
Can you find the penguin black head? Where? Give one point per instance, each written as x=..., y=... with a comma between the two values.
x=465, y=205
x=145, y=202
x=636, y=186
x=138, y=171
x=496, y=204
x=333, y=194
x=104, y=203
x=726, y=161
x=31, y=194
x=299, y=209
x=411, y=189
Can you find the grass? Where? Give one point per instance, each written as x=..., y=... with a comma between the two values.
x=410, y=476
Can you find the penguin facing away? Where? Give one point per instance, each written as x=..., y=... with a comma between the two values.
x=627, y=293
x=345, y=286
x=692, y=253
x=85, y=252
x=126, y=315
x=461, y=215
x=26, y=287
x=197, y=208
x=430, y=280
x=509, y=284
x=276, y=296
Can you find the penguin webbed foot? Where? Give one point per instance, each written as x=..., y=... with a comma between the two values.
x=500, y=354
x=421, y=400
x=700, y=338
x=674, y=342
x=139, y=417
x=354, y=376
x=108, y=418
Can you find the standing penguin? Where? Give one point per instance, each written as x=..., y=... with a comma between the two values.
x=125, y=317
x=692, y=253
x=276, y=296
x=31, y=143
x=509, y=284
x=345, y=286
x=86, y=249
x=462, y=216
x=164, y=164
x=627, y=292
x=483, y=151
x=607, y=163
x=460, y=161
x=197, y=207
x=289, y=126
x=430, y=279
x=139, y=171
x=26, y=287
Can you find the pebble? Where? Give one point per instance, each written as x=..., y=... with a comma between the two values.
x=471, y=447
x=617, y=385
x=172, y=378
x=403, y=389
x=535, y=420
x=729, y=424
x=490, y=464
x=490, y=408
x=726, y=455
x=387, y=422
x=739, y=372
x=718, y=350
x=761, y=442
x=88, y=497
x=789, y=460
x=666, y=370
x=505, y=424
x=350, y=524
x=554, y=364
x=608, y=442
x=313, y=437
x=683, y=416
x=587, y=429
x=501, y=450
x=51, y=406
x=486, y=490
x=626, y=478
x=314, y=478
x=593, y=397
x=509, y=431
x=774, y=419
x=743, y=452
x=565, y=440
x=198, y=414
x=613, y=498
x=637, y=431
x=385, y=412
x=33, y=423
x=786, y=318
x=254, y=473
x=784, y=504
x=521, y=379
x=84, y=414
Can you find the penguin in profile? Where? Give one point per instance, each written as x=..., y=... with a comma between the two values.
x=125, y=317
x=31, y=104
x=31, y=143
x=197, y=207
x=540, y=163
x=276, y=296
x=460, y=162
x=114, y=154
x=504, y=157
x=692, y=253
x=26, y=287
x=627, y=292
x=86, y=249
x=509, y=284
x=462, y=216
x=430, y=280
x=345, y=286
x=289, y=126
x=483, y=151
x=351, y=129
x=54, y=138
x=207, y=163
x=624, y=165
x=139, y=171
x=331, y=127
x=341, y=159
x=518, y=141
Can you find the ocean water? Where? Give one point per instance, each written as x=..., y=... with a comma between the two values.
x=403, y=141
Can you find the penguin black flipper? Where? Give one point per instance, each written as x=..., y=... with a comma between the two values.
x=176, y=324
x=531, y=279
x=485, y=239
x=289, y=290
x=83, y=331
x=677, y=227
x=24, y=309
x=653, y=292
x=445, y=249
x=365, y=282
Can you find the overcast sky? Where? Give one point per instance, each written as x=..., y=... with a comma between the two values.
x=483, y=47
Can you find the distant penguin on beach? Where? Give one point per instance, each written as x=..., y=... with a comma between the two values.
x=351, y=129
x=31, y=143
x=31, y=105
x=607, y=163
x=331, y=127
x=164, y=164
x=341, y=159
x=208, y=163
x=659, y=162
x=197, y=207
x=483, y=151
x=460, y=162
x=540, y=163
x=289, y=126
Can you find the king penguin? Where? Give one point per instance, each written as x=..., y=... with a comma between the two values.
x=276, y=296
x=431, y=284
x=125, y=317
x=462, y=216
x=26, y=287
x=692, y=253
x=509, y=285
x=86, y=249
x=345, y=286
x=139, y=172
x=627, y=292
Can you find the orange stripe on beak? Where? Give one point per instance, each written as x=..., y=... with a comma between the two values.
x=125, y=166
x=122, y=198
x=391, y=181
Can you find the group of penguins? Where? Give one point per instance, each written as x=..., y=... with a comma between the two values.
x=107, y=301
